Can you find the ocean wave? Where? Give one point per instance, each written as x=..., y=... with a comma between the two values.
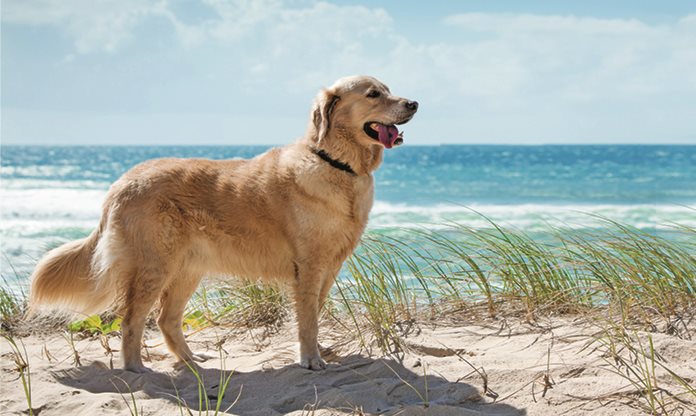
x=52, y=183
x=34, y=220
x=53, y=204
x=531, y=217
x=59, y=207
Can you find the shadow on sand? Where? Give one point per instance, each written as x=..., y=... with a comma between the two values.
x=375, y=386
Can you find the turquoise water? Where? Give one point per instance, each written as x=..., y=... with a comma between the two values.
x=50, y=195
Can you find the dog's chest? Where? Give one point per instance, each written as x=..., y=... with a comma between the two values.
x=339, y=214
x=361, y=203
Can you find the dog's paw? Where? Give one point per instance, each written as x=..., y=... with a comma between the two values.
x=313, y=363
x=201, y=357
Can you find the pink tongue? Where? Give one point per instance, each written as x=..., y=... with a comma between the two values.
x=388, y=135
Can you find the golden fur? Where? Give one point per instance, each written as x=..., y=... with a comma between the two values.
x=285, y=214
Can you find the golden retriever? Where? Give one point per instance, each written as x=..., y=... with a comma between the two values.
x=293, y=213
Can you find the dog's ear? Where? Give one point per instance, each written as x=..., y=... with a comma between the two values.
x=322, y=111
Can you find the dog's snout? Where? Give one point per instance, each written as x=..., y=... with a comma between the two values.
x=411, y=105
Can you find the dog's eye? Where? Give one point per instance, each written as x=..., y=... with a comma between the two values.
x=373, y=94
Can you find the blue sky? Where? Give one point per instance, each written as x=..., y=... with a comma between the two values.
x=245, y=72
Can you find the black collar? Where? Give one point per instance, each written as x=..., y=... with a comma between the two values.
x=333, y=162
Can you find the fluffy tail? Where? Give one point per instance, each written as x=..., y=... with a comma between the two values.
x=64, y=280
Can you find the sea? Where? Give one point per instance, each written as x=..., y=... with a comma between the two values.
x=51, y=195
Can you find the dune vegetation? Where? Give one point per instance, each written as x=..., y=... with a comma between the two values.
x=627, y=283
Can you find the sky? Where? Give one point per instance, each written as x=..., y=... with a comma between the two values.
x=189, y=72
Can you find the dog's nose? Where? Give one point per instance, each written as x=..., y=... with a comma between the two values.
x=412, y=105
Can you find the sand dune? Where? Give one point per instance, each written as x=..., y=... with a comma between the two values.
x=441, y=374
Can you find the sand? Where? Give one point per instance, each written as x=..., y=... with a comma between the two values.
x=542, y=369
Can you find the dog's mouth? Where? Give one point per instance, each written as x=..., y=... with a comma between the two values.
x=387, y=134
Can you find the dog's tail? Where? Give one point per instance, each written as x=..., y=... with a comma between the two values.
x=65, y=279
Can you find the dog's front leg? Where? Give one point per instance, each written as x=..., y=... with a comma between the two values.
x=307, y=290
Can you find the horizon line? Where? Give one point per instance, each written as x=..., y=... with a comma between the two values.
x=284, y=144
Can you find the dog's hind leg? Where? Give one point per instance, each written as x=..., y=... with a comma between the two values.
x=141, y=294
x=173, y=302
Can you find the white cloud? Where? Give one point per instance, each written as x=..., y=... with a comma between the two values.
x=486, y=55
x=502, y=75
x=93, y=26
x=578, y=58
x=310, y=43
x=525, y=23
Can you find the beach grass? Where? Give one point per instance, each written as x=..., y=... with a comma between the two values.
x=21, y=361
x=12, y=305
x=645, y=278
x=242, y=303
x=627, y=282
x=637, y=276
x=632, y=355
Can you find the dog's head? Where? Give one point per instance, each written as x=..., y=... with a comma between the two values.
x=362, y=110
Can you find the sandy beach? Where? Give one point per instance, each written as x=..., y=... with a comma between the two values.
x=497, y=367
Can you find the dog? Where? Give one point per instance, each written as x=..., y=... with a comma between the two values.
x=293, y=214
